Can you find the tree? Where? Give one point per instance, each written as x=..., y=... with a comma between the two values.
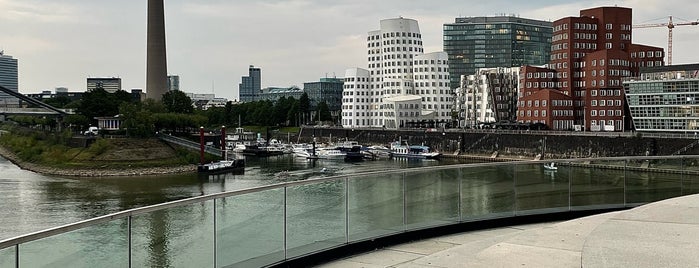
x=137, y=121
x=324, y=112
x=176, y=101
x=98, y=102
x=304, y=106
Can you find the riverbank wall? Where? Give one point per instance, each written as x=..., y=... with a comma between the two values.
x=514, y=144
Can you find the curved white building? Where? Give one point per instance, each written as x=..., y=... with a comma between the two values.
x=356, y=98
x=391, y=54
x=431, y=73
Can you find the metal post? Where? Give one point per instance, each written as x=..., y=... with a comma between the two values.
x=285, y=222
x=223, y=142
x=17, y=256
x=214, y=233
x=129, y=226
x=514, y=187
x=405, y=204
x=201, y=145
x=347, y=209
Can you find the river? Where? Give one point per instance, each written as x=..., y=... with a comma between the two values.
x=32, y=202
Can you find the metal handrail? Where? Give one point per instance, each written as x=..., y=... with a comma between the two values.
x=199, y=199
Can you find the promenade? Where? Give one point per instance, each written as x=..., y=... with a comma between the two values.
x=660, y=234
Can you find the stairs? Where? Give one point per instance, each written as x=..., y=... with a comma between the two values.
x=477, y=142
x=686, y=148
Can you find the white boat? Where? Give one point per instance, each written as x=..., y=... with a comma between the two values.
x=550, y=166
x=325, y=153
x=402, y=149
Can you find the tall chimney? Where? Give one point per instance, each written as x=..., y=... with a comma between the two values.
x=156, y=65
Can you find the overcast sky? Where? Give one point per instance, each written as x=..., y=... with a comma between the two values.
x=211, y=43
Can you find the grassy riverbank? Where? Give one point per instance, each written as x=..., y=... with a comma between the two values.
x=50, y=154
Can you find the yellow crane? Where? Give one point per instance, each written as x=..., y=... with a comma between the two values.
x=670, y=25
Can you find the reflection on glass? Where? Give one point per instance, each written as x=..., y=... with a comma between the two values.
x=431, y=198
x=653, y=180
x=540, y=189
x=103, y=245
x=596, y=185
x=690, y=183
x=316, y=217
x=174, y=237
x=375, y=206
x=487, y=192
x=250, y=229
x=7, y=257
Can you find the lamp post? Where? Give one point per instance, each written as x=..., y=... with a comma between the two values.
x=623, y=123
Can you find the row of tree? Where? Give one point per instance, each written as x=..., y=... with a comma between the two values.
x=175, y=112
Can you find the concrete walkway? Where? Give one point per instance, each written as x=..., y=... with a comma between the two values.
x=661, y=234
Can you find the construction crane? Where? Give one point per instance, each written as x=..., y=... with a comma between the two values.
x=670, y=25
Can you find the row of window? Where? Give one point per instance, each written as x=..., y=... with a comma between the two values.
x=605, y=102
x=605, y=112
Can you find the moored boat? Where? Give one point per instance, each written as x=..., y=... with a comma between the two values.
x=223, y=166
x=403, y=149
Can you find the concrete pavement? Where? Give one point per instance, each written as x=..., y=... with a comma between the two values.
x=661, y=234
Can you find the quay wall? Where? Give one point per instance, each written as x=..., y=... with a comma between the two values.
x=520, y=144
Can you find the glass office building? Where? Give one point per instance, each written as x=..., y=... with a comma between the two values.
x=665, y=98
x=501, y=41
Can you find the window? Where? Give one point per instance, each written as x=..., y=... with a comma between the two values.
x=593, y=113
x=609, y=26
x=593, y=103
x=608, y=45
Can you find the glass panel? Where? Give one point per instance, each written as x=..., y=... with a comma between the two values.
x=102, y=245
x=316, y=217
x=690, y=183
x=250, y=229
x=7, y=257
x=431, y=198
x=653, y=180
x=487, y=192
x=375, y=206
x=595, y=185
x=540, y=189
x=175, y=237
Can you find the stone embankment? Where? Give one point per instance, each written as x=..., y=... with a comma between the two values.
x=106, y=172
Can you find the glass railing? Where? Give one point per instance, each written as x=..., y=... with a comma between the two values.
x=272, y=224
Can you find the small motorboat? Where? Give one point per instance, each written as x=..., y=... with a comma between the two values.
x=550, y=166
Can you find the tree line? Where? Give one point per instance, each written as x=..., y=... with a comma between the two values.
x=175, y=113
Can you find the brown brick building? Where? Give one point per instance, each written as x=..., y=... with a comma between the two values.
x=590, y=55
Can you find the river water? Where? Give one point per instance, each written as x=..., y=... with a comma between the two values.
x=32, y=202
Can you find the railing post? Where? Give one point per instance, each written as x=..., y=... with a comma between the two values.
x=405, y=203
x=514, y=188
x=285, y=222
x=214, y=233
x=129, y=227
x=347, y=210
x=17, y=256
x=626, y=165
x=460, y=178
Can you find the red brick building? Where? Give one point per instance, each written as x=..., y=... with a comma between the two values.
x=590, y=55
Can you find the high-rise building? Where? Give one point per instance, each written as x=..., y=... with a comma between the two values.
x=397, y=70
x=173, y=82
x=110, y=84
x=665, y=98
x=8, y=74
x=581, y=87
x=500, y=41
x=328, y=90
x=250, y=87
x=156, y=62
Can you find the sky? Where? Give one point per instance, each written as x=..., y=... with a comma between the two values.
x=211, y=43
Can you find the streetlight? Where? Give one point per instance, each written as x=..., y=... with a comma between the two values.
x=623, y=123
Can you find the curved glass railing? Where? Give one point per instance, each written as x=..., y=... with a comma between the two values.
x=271, y=224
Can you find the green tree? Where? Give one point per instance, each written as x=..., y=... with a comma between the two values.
x=324, y=112
x=136, y=121
x=98, y=102
x=176, y=101
x=305, y=107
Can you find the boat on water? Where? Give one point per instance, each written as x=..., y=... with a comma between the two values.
x=403, y=149
x=223, y=166
x=550, y=166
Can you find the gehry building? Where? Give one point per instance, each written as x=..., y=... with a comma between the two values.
x=489, y=95
x=581, y=87
x=398, y=71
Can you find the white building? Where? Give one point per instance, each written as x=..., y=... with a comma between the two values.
x=8, y=78
x=395, y=56
x=489, y=95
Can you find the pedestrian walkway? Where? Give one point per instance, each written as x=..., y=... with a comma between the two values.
x=661, y=234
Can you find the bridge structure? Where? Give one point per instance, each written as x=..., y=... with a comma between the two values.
x=42, y=108
x=289, y=224
x=189, y=144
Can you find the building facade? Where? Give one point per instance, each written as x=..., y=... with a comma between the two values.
x=275, y=93
x=664, y=98
x=173, y=82
x=328, y=90
x=110, y=84
x=8, y=77
x=397, y=67
x=590, y=55
x=500, y=41
x=251, y=85
x=488, y=96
